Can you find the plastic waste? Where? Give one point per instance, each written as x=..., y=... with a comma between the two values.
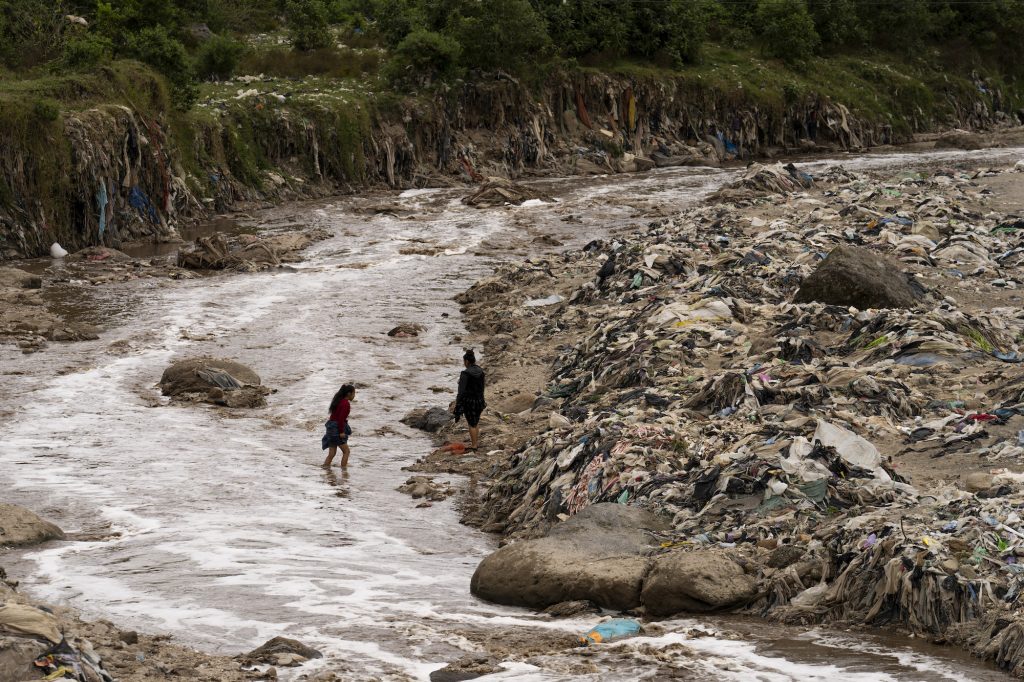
x=554, y=299
x=851, y=447
x=616, y=628
x=57, y=251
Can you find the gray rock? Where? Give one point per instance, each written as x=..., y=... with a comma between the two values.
x=853, y=276
x=19, y=527
x=280, y=647
x=696, y=582
x=430, y=419
x=599, y=555
x=16, y=656
x=198, y=375
x=567, y=609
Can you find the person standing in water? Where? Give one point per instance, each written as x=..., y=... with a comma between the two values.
x=470, y=401
x=337, y=426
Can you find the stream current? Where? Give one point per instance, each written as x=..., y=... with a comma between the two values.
x=221, y=529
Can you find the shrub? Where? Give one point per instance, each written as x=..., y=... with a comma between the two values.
x=87, y=50
x=787, y=30
x=424, y=55
x=155, y=46
x=308, y=24
x=218, y=57
x=45, y=110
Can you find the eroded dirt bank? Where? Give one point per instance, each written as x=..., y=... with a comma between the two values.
x=104, y=175
x=856, y=456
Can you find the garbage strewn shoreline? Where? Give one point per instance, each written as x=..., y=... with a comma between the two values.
x=862, y=465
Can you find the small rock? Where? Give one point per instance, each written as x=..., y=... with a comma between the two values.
x=404, y=331
x=428, y=419
x=129, y=637
x=978, y=481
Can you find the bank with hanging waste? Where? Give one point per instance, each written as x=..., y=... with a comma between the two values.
x=103, y=158
x=772, y=446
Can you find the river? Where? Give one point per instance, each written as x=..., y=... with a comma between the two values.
x=220, y=528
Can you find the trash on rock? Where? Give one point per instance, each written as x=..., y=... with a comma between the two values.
x=247, y=253
x=220, y=382
x=499, y=192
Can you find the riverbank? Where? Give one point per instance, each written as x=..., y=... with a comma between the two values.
x=685, y=381
x=142, y=170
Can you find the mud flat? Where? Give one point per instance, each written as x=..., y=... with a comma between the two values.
x=813, y=381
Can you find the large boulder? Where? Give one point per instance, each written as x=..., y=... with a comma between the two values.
x=853, y=276
x=220, y=382
x=600, y=555
x=19, y=527
x=696, y=582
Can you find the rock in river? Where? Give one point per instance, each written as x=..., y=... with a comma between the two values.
x=430, y=419
x=696, y=582
x=20, y=527
x=854, y=276
x=598, y=555
x=221, y=382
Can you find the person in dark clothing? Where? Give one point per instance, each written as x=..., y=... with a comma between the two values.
x=470, y=401
x=337, y=428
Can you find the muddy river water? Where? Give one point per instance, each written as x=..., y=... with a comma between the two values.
x=221, y=529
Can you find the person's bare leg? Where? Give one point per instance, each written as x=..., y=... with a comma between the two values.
x=474, y=436
x=344, y=456
x=331, y=452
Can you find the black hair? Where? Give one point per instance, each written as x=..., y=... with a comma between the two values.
x=470, y=357
x=343, y=392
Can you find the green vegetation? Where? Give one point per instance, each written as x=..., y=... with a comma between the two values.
x=431, y=40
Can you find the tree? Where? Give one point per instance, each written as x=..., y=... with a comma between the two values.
x=308, y=24
x=787, y=30
x=423, y=56
x=500, y=34
x=836, y=22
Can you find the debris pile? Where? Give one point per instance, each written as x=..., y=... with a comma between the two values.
x=824, y=443
x=499, y=192
x=247, y=253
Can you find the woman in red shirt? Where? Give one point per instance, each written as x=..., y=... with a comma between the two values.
x=337, y=427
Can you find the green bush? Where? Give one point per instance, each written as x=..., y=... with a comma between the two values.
x=45, y=110
x=787, y=30
x=87, y=50
x=500, y=34
x=424, y=56
x=308, y=24
x=155, y=46
x=217, y=58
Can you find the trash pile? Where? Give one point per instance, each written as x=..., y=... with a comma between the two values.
x=34, y=645
x=499, y=192
x=687, y=381
x=247, y=253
